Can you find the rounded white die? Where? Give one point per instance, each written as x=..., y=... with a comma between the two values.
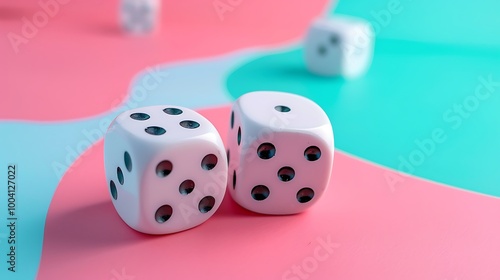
x=166, y=168
x=280, y=152
x=339, y=46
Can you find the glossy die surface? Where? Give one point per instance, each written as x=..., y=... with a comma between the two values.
x=339, y=46
x=280, y=151
x=140, y=16
x=166, y=168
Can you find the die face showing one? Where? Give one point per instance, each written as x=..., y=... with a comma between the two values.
x=140, y=16
x=340, y=46
x=280, y=152
x=173, y=168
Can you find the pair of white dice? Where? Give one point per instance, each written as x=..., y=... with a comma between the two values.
x=167, y=167
x=339, y=46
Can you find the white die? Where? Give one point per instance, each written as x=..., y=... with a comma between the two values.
x=139, y=16
x=166, y=168
x=280, y=152
x=339, y=46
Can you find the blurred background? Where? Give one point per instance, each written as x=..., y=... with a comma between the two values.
x=428, y=105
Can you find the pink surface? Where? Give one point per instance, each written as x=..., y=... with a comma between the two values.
x=415, y=230
x=79, y=63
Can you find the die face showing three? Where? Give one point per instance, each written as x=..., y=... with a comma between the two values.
x=166, y=168
x=139, y=16
x=339, y=46
x=280, y=151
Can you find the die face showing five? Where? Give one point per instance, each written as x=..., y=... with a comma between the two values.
x=139, y=16
x=166, y=168
x=280, y=151
x=339, y=46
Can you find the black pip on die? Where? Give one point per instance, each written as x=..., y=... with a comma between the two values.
x=165, y=167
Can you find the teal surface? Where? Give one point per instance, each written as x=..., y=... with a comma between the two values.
x=454, y=22
x=423, y=108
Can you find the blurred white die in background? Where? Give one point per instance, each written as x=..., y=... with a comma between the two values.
x=339, y=46
x=140, y=16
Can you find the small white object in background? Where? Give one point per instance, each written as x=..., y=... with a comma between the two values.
x=140, y=16
x=339, y=46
